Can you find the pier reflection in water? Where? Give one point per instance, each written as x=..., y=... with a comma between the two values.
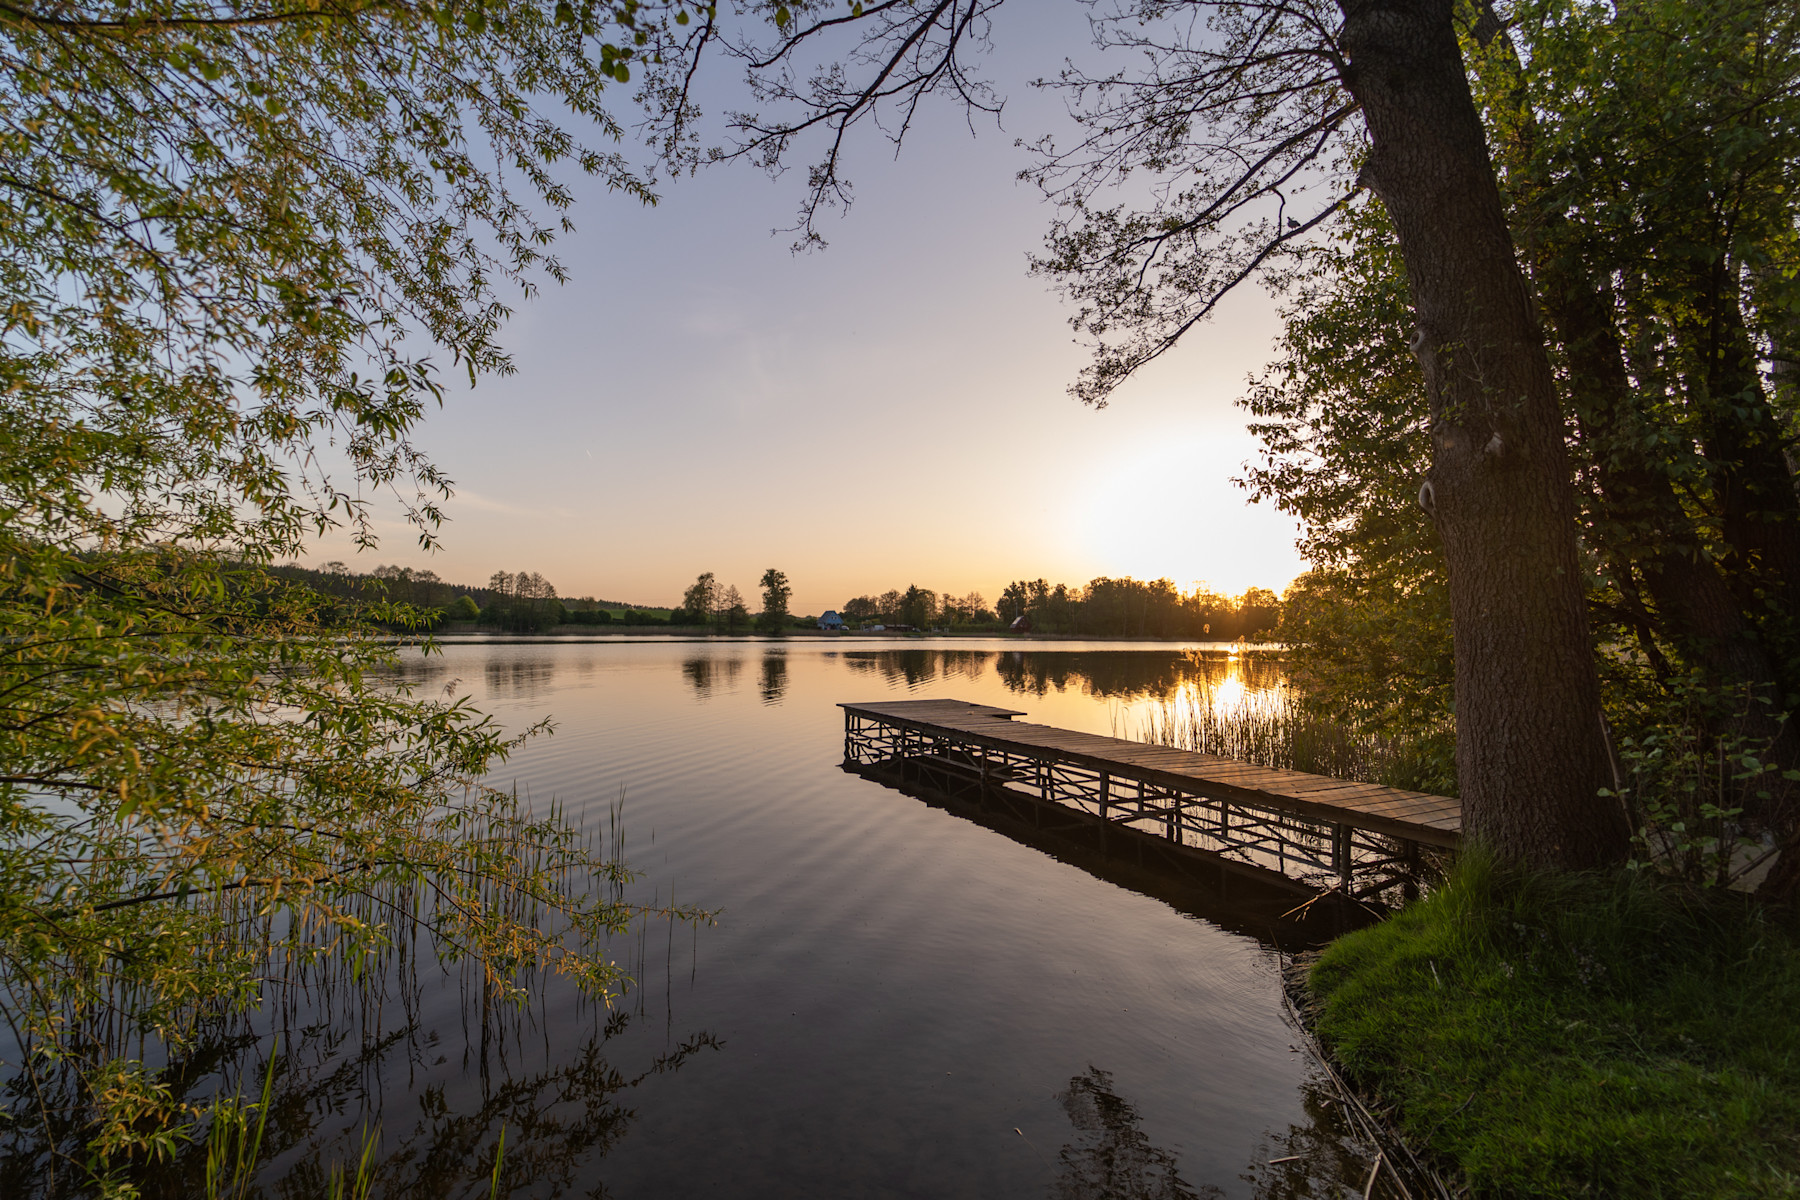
x=896, y=1001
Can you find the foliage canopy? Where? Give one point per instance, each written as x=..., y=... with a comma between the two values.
x=1647, y=161
x=232, y=235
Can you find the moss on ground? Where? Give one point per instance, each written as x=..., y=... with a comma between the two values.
x=1579, y=1035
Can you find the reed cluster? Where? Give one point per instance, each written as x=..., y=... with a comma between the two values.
x=1278, y=727
x=304, y=994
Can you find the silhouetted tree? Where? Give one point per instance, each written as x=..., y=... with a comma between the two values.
x=729, y=612
x=1013, y=602
x=918, y=607
x=775, y=595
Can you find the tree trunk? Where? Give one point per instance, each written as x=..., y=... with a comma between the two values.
x=1698, y=610
x=1699, y=613
x=1743, y=442
x=1530, y=750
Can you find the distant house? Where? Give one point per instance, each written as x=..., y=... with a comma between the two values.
x=1022, y=623
x=831, y=622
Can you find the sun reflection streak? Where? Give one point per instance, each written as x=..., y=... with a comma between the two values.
x=1223, y=691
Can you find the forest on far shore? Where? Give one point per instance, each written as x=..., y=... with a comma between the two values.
x=526, y=602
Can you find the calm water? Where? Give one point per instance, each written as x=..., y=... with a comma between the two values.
x=895, y=1000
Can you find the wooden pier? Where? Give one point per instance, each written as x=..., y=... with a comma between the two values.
x=1309, y=829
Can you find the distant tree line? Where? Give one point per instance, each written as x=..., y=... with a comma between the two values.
x=523, y=603
x=919, y=608
x=516, y=602
x=1106, y=607
x=526, y=602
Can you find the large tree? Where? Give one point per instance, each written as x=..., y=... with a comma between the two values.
x=1530, y=749
x=1646, y=161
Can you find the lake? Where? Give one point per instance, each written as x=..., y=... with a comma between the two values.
x=895, y=1000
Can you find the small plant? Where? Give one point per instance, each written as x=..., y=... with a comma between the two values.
x=1684, y=779
x=232, y=1145
x=344, y=1186
x=499, y=1162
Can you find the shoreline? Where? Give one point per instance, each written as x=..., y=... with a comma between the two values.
x=640, y=634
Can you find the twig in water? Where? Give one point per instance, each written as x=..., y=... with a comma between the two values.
x=1358, y=1114
x=1304, y=905
x=1031, y=1143
x=1369, y=1187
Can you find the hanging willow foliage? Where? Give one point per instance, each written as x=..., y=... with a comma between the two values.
x=231, y=237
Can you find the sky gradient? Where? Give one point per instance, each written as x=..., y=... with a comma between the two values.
x=891, y=410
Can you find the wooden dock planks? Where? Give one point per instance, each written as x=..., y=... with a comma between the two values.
x=1416, y=816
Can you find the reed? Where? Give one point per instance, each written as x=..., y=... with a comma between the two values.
x=1277, y=727
x=339, y=990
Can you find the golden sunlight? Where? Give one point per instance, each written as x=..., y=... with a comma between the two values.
x=1169, y=511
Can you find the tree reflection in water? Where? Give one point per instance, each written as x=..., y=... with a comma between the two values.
x=1120, y=674
x=706, y=674
x=774, y=676
x=519, y=678
x=1110, y=1158
x=1131, y=674
x=1322, y=1159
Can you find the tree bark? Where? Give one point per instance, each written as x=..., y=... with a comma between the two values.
x=1530, y=750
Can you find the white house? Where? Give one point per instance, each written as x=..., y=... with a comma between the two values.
x=831, y=622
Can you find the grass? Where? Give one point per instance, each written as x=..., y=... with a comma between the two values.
x=1557, y=1036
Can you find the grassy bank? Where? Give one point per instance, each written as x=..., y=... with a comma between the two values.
x=1555, y=1037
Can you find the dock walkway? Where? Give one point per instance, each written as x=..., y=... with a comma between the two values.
x=1312, y=828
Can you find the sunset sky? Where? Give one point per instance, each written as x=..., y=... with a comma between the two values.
x=889, y=411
